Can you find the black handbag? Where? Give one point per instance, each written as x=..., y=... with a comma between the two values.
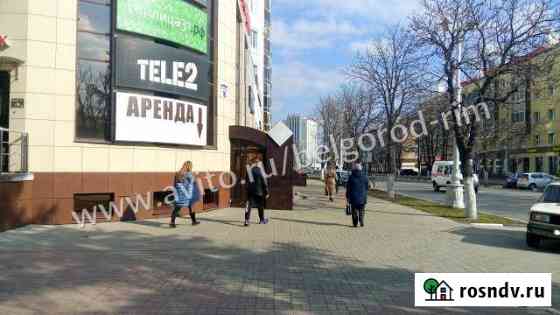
x=348, y=209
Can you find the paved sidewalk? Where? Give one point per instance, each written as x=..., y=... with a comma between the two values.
x=307, y=261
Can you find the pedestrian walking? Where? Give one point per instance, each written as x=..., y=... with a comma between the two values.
x=330, y=182
x=356, y=194
x=337, y=179
x=186, y=193
x=257, y=191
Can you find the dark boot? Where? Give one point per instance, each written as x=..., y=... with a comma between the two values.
x=193, y=217
x=361, y=217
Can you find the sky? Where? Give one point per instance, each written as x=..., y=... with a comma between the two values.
x=314, y=40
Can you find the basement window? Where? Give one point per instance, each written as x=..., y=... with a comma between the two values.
x=210, y=199
x=93, y=204
x=159, y=204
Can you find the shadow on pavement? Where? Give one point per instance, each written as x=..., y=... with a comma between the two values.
x=419, y=214
x=141, y=273
x=314, y=222
x=502, y=238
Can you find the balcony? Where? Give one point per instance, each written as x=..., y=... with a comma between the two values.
x=14, y=152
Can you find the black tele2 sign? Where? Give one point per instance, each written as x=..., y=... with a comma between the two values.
x=146, y=65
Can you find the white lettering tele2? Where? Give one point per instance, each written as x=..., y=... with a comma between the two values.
x=182, y=74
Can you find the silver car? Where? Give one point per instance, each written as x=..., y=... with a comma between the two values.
x=534, y=181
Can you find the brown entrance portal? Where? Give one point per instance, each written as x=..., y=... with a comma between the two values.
x=279, y=160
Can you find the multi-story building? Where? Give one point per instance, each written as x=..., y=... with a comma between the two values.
x=249, y=60
x=104, y=101
x=521, y=135
x=305, y=138
x=267, y=65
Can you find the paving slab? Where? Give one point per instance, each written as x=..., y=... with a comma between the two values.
x=306, y=261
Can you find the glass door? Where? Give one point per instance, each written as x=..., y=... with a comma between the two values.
x=4, y=119
x=4, y=99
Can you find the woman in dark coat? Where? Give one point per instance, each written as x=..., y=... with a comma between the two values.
x=356, y=194
x=257, y=191
x=186, y=193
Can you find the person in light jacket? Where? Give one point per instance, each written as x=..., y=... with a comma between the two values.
x=257, y=191
x=330, y=182
x=356, y=194
x=186, y=193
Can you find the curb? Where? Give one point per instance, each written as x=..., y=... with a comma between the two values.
x=487, y=225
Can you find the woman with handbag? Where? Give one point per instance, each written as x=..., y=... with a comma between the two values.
x=356, y=194
x=186, y=193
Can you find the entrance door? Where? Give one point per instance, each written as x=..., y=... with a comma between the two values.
x=241, y=153
x=4, y=118
x=4, y=99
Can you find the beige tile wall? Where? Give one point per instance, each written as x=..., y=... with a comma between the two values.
x=44, y=36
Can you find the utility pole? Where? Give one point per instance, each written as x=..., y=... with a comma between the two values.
x=455, y=191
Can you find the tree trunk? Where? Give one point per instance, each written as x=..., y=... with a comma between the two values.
x=471, y=210
x=391, y=173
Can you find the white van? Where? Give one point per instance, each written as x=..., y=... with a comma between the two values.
x=441, y=175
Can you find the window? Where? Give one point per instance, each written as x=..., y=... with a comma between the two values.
x=210, y=199
x=552, y=138
x=93, y=100
x=92, y=204
x=255, y=39
x=536, y=117
x=538, y=166
x=537, y=140
x=518, y=116
x=551, y=114
x=552, y=165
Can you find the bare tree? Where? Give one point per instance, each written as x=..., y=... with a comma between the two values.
x=435, y=143
x=329, y=114
x=497, y=35
x=392, y=72
x=360, y=114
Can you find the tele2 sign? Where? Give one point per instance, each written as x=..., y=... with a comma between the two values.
x=146, y=65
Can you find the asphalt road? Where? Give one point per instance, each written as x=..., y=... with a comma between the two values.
x=511, y=203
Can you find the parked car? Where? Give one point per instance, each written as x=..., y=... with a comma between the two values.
x=408, y=172
x=534, y=181
x=441, y=175
x=511, y=180
x=342, y=177
x=544, y=217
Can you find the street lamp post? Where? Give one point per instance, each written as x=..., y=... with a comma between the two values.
x=455, y=191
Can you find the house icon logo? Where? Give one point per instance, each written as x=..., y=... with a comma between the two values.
x=439, y=291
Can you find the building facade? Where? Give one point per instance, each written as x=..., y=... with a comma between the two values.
x=521, y=132
x=521, y=135
x=104, y=100
x=267, y=65
x=305, y=132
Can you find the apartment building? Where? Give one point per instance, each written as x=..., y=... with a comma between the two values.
x=305, y=132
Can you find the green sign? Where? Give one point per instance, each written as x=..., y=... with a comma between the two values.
x=173, y=20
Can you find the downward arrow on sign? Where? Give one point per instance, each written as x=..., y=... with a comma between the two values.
x=200, y=125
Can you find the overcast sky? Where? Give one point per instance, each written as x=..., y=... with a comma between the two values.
x=313, y=40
